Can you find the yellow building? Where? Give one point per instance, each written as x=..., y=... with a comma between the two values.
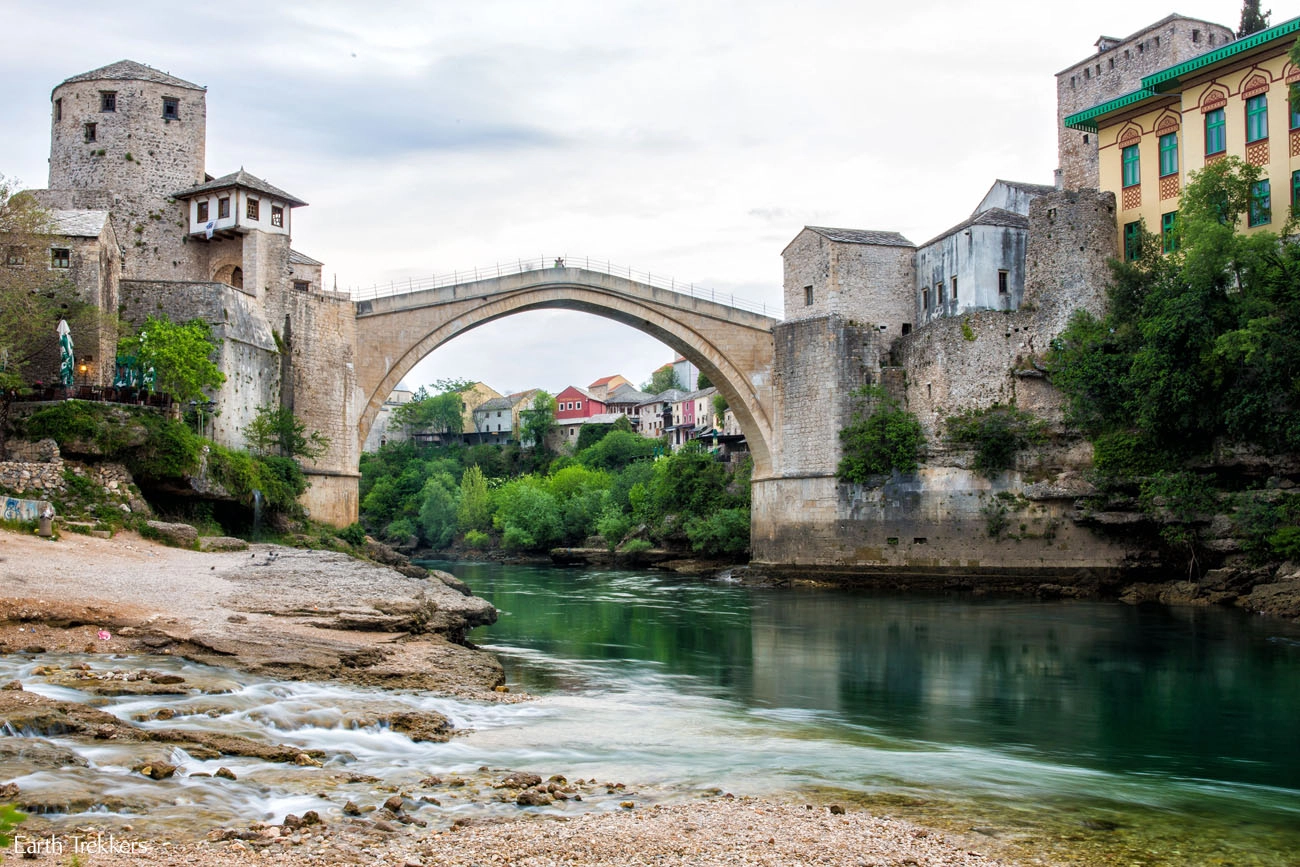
x=1232, y=100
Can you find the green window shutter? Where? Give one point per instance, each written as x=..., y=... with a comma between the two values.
x=1132, y=239
x=1169, y=154
x=1261, y=204
x=1257, y=118
x=1132, y=166
x=1169, y=231
x=1215, y=140
x=1295, y=113
x=1295, y=188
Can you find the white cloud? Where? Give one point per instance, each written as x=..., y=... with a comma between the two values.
x=691, y=139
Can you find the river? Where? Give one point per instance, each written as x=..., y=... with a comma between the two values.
x=1094, y=731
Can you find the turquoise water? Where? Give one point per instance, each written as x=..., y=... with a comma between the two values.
x=1147, y=735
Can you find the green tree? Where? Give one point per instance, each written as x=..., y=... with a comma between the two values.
x=661, y=380
x=180, y=356
x=32, y=299
x=702, y=382
x=474, y=511
x=538, y=421
x=1252, y=20
x=277, y=429
x=440, y=412
x=438, y=509
x=616, y=450
x=528, y=515
x=882, y=437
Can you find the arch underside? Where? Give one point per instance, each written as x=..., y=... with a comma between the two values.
x=681, y=330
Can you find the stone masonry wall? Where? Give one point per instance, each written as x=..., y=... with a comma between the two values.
x=806, y=261
x=817, y=364
x=873, y=286
x=1118, y=69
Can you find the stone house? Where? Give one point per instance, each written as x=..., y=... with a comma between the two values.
x=383, y=430
x=606, y=385
x=1230, y=100
x=493, y=422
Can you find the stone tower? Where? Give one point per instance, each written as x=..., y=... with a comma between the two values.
x=1117, y=68
x=124, y=138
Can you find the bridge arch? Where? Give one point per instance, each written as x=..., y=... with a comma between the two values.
x=732, y=347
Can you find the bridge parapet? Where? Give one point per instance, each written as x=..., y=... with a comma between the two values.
x=536, y=268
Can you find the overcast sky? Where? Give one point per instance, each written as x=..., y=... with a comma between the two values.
x=691, y=139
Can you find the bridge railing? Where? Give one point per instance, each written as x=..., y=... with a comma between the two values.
x=602, y=266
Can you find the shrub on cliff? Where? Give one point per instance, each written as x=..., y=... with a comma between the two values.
x=998, y=433
x=881, y=438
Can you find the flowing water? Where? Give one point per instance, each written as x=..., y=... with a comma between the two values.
x=1114, y=734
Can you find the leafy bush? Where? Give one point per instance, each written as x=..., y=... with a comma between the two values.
x=438, y=511
x=723, y=533
x=636, y=546
x=475, y=539
x=354, y=534
x=475, y=509
x=528, y=516
x=998, y=433
x=1125, y=454
x=616, y=450
x=400, y=531
x=613, y=525
x=881, y=438
x=1268, y=522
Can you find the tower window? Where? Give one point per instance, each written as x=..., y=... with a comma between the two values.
x=223, y=208
x=254, y=208
x=60, y=257
x=108, y=100
x=203, y=212
x=303, y=286
x=807, y=296
x=277, y=216
x=954, y=289
x=1004, y=281
x=90, y=132
x=171, y=108
x=58, y=109
x=1196, y=36
x=15, y=256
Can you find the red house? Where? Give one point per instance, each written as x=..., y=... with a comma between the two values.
x=574, y=403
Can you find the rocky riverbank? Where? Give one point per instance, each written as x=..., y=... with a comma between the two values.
x=271, y=610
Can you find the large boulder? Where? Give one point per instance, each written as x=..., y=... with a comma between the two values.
x=177, y=535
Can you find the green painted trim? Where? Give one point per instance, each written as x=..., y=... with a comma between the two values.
x=1167, y=79
x=1087, y=120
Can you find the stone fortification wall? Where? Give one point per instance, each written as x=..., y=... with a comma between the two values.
x=817, y=364
x=37, y=469
x=318, y=336
x=989, y=357
x=136, y=162
x=1118, y=68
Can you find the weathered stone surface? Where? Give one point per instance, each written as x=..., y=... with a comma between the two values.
x=222, y=543
x=180, y=535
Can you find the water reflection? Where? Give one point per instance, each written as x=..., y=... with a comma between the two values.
x=1192, y=693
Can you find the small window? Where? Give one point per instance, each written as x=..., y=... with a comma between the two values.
x=1132, y=241
x=907, y=328
x=1004, y=282
x=58, y=109
x=1142, y=47
x=1112, y=63
x=303, y=286
x=1169, y=231
x=1132, y=166
x=1085, y=138
x=254, y=208
x=1295, y=114
x=1295, y=188
x=277, y=216
x=1168, y=154
x=223, y=208
x=1261, y=203
x=1216, y=142
x=1196, y=36
x=1257, y=118
x=577, y=404
x=90, y=132
x=954, y=289
x=807, y=296
x=203, y=212
x=939, y=294
x=925, y=299
x=108, y=100
x=60, y=257
x=15, y=256
x=171, y=108
x=1087, y=74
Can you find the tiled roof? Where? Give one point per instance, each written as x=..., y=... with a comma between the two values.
x=78, y=223
x=296, y=258
x=1040, y=189
x=243, y=179
x=861, y=236
x=991, y=217
x=495, y=403
x=628, y=394
x=129, y=70
x=672, y=395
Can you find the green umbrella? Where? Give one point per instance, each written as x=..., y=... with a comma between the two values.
x=66, y=361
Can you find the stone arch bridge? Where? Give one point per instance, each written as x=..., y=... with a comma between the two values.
x=733, y=347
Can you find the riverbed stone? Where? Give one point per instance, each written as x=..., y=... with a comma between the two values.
x=175, y=534
x=222, y=543
x=532, y=798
